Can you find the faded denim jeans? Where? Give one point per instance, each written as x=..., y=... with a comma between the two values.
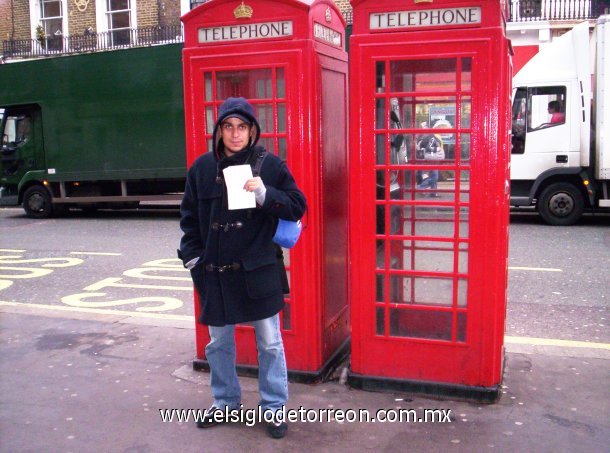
x=272, y=372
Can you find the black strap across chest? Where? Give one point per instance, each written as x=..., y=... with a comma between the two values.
x=260, y=157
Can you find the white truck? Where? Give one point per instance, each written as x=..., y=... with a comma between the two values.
x=560, y=159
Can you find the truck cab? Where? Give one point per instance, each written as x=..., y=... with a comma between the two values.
x=545, y=133
x=22, y=147
x=551, y=130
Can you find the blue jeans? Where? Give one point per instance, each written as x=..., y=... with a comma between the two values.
x=272, y=372
x=430, y=182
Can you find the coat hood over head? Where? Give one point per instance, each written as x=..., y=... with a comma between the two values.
x=235, y=108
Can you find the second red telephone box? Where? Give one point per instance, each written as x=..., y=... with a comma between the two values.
x=430, y=99
x=287, y=57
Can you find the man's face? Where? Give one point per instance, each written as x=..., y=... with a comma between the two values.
x=235, y=135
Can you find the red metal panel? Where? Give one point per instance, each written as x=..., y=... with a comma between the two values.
x=332, y=136
x=522, y=55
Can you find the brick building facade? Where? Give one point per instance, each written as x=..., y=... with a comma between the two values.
x=344, y=6
x=148, y=13
x=169, y=13
x=15, y=19
x=5, y=20
x=16, y=23
x=19, y=18
x=79, y=21
x=16, y=16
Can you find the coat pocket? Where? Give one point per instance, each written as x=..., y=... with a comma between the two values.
x=197, y=275
x=262, y=276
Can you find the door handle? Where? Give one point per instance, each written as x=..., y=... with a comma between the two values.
x=561, y=159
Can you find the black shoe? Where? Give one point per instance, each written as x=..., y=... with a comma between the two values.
x=210, y=418
x=277, y=430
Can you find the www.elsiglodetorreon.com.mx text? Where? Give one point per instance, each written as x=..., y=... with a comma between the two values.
x=252, y=416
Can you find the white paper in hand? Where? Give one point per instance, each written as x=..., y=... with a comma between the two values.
x=235, y=179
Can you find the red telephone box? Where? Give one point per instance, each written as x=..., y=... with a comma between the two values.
x=429, y=199
x=287, y=57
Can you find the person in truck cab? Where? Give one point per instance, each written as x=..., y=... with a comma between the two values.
x=557, y=116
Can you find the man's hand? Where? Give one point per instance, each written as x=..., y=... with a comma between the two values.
x=253, y=183
x=256, y=185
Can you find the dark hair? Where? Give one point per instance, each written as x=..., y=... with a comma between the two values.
x=555, y=105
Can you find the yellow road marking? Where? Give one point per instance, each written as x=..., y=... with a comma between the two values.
x=140, y=272
x=555, y=342
x=96, y=253
x=12, y=250
x=100, y=311
x=28, y=272
x=540, y=269
x=115, y=282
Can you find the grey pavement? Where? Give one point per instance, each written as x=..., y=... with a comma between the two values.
x=83, y=382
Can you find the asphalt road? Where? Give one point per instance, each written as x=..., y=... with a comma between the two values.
x=564, y=290
x=126, y=261
x=109, y=260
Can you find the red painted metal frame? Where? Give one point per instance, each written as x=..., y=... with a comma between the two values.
x=477, y=361
x=311, y=338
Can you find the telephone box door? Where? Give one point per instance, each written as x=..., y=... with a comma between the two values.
x=429, y=173
x=266, y=86
x=287, y=58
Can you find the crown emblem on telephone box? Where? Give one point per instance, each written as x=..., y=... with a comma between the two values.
x=243, y=11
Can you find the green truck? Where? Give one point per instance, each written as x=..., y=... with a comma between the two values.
x=104, y=129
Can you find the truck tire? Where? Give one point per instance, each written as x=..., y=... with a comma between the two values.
x=561, y=204
x=37, y=202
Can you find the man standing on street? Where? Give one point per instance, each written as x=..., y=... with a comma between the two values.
x=233, y=262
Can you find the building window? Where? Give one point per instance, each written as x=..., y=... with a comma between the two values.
x=119, y=21
x=51, y=20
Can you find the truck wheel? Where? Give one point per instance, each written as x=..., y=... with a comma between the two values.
x=561, y=204
x=37, y=202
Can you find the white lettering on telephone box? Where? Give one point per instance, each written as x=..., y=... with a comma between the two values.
x=426, y=18
x=326, y=34
x=262, y=30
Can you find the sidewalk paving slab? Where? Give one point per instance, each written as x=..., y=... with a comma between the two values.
x=93, y=383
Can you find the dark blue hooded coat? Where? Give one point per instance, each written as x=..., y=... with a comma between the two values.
x=237, y=275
